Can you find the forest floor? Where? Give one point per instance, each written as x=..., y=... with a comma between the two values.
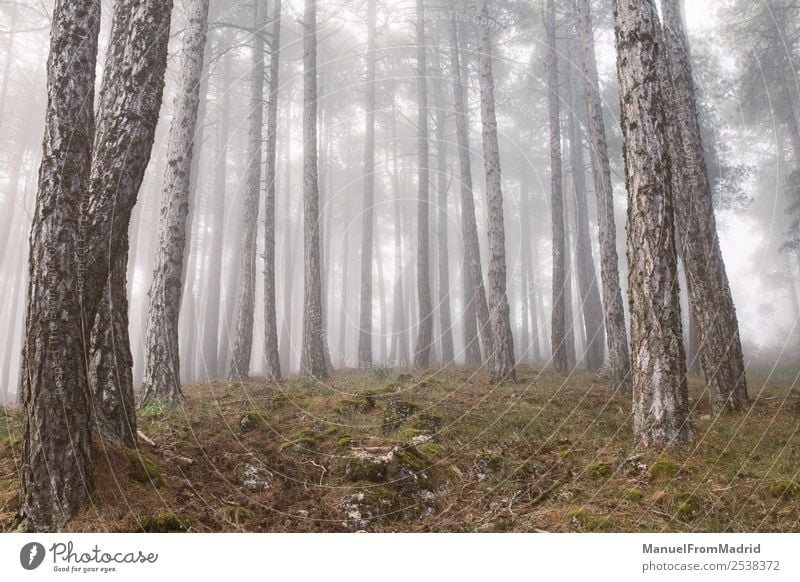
x=438, y=451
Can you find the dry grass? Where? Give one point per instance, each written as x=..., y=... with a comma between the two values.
x=549, y=453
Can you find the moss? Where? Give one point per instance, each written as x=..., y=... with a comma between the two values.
x=366, y=468
x=163, y=523
x=397, y=411
x=371, y=505
x=238, y=515
x=633, y=494
x=688, y=507
x=598, y=471
x=585, y=520
x=784, y=488
x=431, y=449
x=345, y=441
x=153, y=410
x=408, y=470
x=142, y=469
x=358, y=404
x=426, y=422
x=251, y=419
x=409, y=433
x=663, y=468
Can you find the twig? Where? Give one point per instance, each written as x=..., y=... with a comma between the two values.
x=146, y=438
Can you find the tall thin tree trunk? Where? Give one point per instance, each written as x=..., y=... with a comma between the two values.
x=368, y=215
x=560, y=297
x=289, y=250
x=707, y=282
x=660, y=394
x=422, y=351
x=616, y=333
x=162, y=361
x=400, y=339
x=57, y=452
x=313, y=357
x=243, y=344
x=501, y=360
x=476, y=311
x=272, y=355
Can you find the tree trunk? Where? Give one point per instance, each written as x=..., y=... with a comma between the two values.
x=243, y=344
x=707, y=282
x=162, y=361
x=442, y=186
x=614, y=310
x=272, y=355
x=501, y=360
x=289, y=251
x=660, y=394
x=559, y=341
x=422, y=351
x=399, y=353
x=57, y=453
x=313, y=357
x=476, y=311
x=368, y=216
x=584, y=261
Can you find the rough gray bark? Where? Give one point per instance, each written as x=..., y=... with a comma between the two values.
x=57, y=452
x=660, y=394
x=216, y=225
x=589, y=295
x=476, y=310
x=501, y=359
x=442, y=187
x=422, y=351
x=162, y=362
x=368, y=215
x=243, y=344
x=313, y=357
x=707, y=282
x=616, y=333
x=271, y=353
x=560, y=297
x=126, y=124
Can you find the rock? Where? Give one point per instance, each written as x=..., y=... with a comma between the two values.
x=397, y=411
x=366, y=506
x=255, y=477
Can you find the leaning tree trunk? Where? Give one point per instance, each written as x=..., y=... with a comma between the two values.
x=584, y=261
x=57, y=454
x=476, y=310
x=243, y=344
x=313, y=357
x=422, y=351
x=707, y=282
x=559, y=323
x=368, y=215
x=614, y=310
x=126, y=125
x=660, y=395
x=501, y=360
x=162, y=363
x=272, y=355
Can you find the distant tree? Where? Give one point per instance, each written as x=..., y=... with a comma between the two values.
x=660, y=393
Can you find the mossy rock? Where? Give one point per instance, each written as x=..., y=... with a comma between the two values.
x=251, y=419
x=371, y=505
x=397, y=411
x=429, y=423
x=409, y=470
x=487, y=464
x=360, y=405
x=633, y=494
x=586, y=521
x=143, y=469
x=162, y=523
x=367, y=468
x=253, y=477
x=663, y=468
x=598, y=471
x=785, y=489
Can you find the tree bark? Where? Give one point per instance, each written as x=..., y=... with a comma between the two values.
x=501, y=360
x=162, y=361
x=243, y=344
x=422, y=351
x=368, y=215
x=476, y=310
x=399, y=352
x=57, y=452
x=313, y=357
x=614, y=310
x=707, y=282
x=660, y=394
x=272, y=355
x=560, y=297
